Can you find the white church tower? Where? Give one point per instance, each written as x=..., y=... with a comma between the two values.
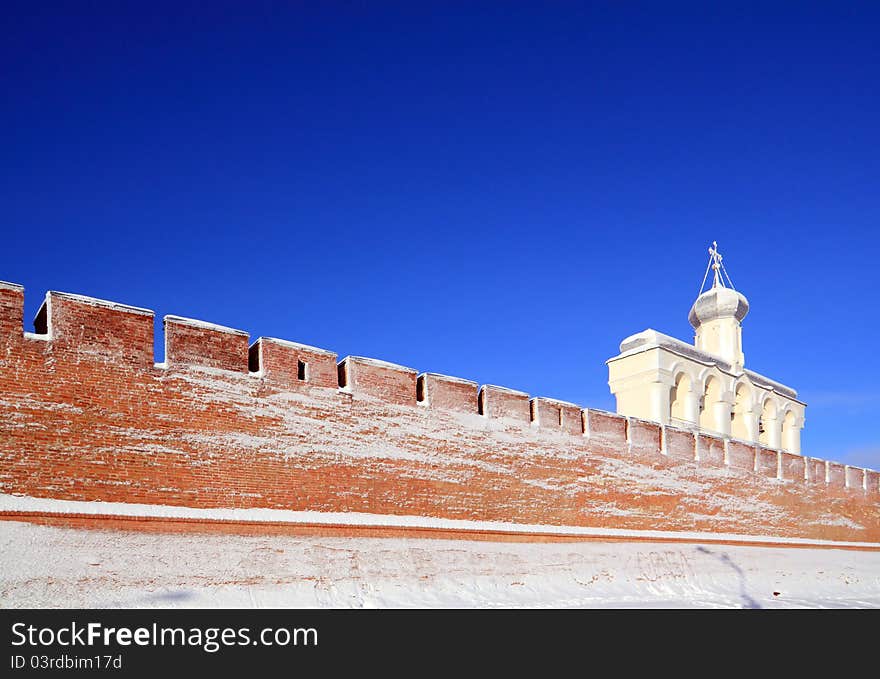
x=706, y=386
x=717, y=316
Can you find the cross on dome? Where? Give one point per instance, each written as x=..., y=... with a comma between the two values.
x=716, y=263
x=717, y=313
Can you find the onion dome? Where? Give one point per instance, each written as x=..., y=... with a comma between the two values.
x=719, y=301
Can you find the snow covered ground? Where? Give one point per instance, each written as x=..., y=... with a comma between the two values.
x=44, y=566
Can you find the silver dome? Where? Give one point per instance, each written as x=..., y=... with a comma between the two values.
x=718, y=302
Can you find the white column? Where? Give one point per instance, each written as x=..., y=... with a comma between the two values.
x=750, y=421
x=658, y=395
x=791, y=436
x=692, y=406
x=721, y=413
x=772, y=432
x=791, y=440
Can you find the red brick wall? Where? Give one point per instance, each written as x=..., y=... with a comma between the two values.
x=740, y=455
x=816, y=470
x=503, y=402
x=872, y=481
x=86, y=415
x=101, y=331
x=606, y=432
x=791, y=467
x=549, y=413
x=11, y=310
x=388, y=381
x=279, y=363
x=448, y=393
x=767, y=462
x=644, y=437
x=836, y=475
x=679, y=444
x=189, y=342
x=855, y=478
x=710, y=450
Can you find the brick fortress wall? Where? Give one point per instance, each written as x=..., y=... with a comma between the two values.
x=86, y=415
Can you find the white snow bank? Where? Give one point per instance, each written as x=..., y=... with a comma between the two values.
x=42, y=566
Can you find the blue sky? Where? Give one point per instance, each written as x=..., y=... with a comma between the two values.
x=497, y=191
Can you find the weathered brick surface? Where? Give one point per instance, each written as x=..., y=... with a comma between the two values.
x=740, y=455
x=872, y=481
x=95, y=420
x=710, y=450
x=767, y=462
x=448, y=393
x=379, y=379
x=792, y=467
x=190, y=342
x=552, y=414
x=644, y=437
x=11, y=312
x=290, y=365
x=816, y=470
x=855, y=478
x=607, y=431
x=502, y=402
x=679, y=444
x=102, y=332
x=836, y=475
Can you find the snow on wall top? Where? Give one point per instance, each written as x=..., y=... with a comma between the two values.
x=449, y=378
x=379, y=364
x=195, y=323
x=557, y=402
x=295, y=345
x=94, y=301
x=506, y=390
